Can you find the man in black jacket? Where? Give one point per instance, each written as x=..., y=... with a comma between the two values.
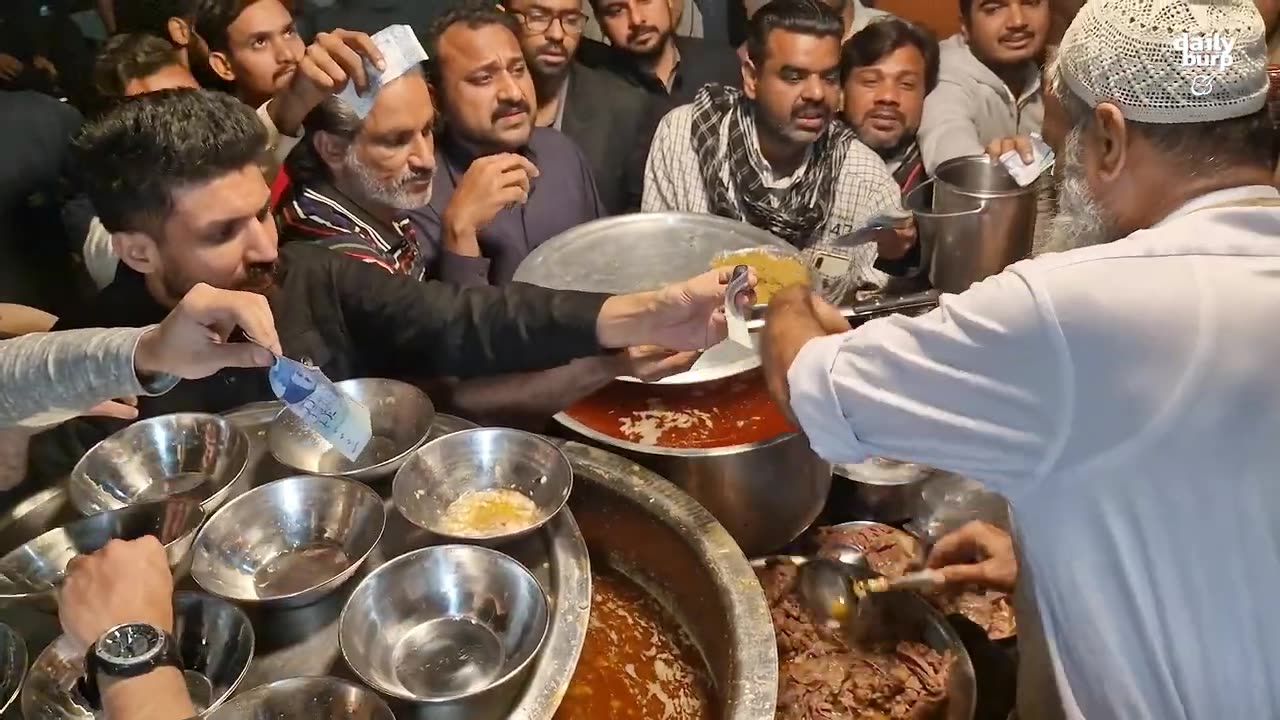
x=605, y=115
x=645, y=50
x=174, y=178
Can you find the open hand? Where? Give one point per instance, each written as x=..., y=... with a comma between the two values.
x=690, y=315
x=978, y=553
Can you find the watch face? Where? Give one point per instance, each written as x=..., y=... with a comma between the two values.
x=130, y=644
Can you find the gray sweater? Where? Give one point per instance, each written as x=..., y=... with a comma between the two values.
x=972, y=107
x=46, y=378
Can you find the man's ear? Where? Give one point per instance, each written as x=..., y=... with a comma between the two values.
x=179, y=32
x=221, y=65
x=330, y=148
x=749, y=77
x=137, y=250
x=1112, y=136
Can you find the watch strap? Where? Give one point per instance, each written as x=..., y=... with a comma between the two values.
x=94, y=666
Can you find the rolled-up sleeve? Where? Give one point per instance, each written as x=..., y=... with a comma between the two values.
x=981, y=386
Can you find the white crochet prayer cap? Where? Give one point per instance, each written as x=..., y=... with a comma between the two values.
x=1168, y=61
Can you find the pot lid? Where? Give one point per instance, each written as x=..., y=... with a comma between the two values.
x=639, y=252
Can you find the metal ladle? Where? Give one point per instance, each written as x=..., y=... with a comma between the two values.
x=837, y=590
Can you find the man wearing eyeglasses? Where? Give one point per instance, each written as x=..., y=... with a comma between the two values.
x=606, y=116
x=502, y=186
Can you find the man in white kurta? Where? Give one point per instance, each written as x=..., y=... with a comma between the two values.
x=1124, y=396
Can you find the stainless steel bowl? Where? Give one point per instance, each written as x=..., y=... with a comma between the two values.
x=13, y=665
x=485, y=458
x=444, y=626
x=215, y=642
x=34, y=570
x=400, y=417
x=289, y=542
x=882, y=490
x=189, y=454
x=306, y=698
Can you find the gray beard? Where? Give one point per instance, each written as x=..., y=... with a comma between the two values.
x=1080, y=221
x=373, y=189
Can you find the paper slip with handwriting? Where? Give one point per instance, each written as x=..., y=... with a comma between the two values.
x=323, y=408
x=400, y=51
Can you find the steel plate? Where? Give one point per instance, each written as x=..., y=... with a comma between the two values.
x=634, y=253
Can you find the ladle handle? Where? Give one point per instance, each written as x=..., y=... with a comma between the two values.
x=873, y=308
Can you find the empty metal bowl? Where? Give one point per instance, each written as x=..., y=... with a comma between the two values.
x=400, y=418
x=444, y=625
x=306, y=698
x=215, y=642
x=188, y=454
x=34, y=570
x=289, y=542
x=449, y=467
x=13, y=665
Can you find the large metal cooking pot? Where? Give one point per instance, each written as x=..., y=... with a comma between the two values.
x=636, y=523
x=978, y=222
x=765, y=493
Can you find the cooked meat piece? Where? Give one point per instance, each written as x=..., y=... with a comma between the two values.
x=778, y=581
x=990, y=609
x=890, y=551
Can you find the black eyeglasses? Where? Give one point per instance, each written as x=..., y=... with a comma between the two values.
x=537, y=21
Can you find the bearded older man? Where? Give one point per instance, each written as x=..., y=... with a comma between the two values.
x=1121, y=394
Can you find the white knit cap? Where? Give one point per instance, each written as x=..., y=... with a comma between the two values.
x=1168, y=61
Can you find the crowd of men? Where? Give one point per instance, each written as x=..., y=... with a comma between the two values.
x=517, y=128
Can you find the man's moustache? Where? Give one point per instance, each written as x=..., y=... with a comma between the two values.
x=505, y=110
x=636, y=32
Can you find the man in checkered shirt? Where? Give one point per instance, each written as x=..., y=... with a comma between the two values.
x=774, y=156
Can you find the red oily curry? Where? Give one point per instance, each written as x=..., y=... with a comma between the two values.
x=722, y=413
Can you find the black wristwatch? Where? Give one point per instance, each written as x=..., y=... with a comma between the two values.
x=126, y=651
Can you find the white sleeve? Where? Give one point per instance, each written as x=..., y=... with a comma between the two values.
x=979, y=387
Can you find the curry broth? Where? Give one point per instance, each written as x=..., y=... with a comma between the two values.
x=637, y=663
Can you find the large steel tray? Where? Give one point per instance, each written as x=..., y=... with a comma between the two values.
x=304, y=641
x=634, y=253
